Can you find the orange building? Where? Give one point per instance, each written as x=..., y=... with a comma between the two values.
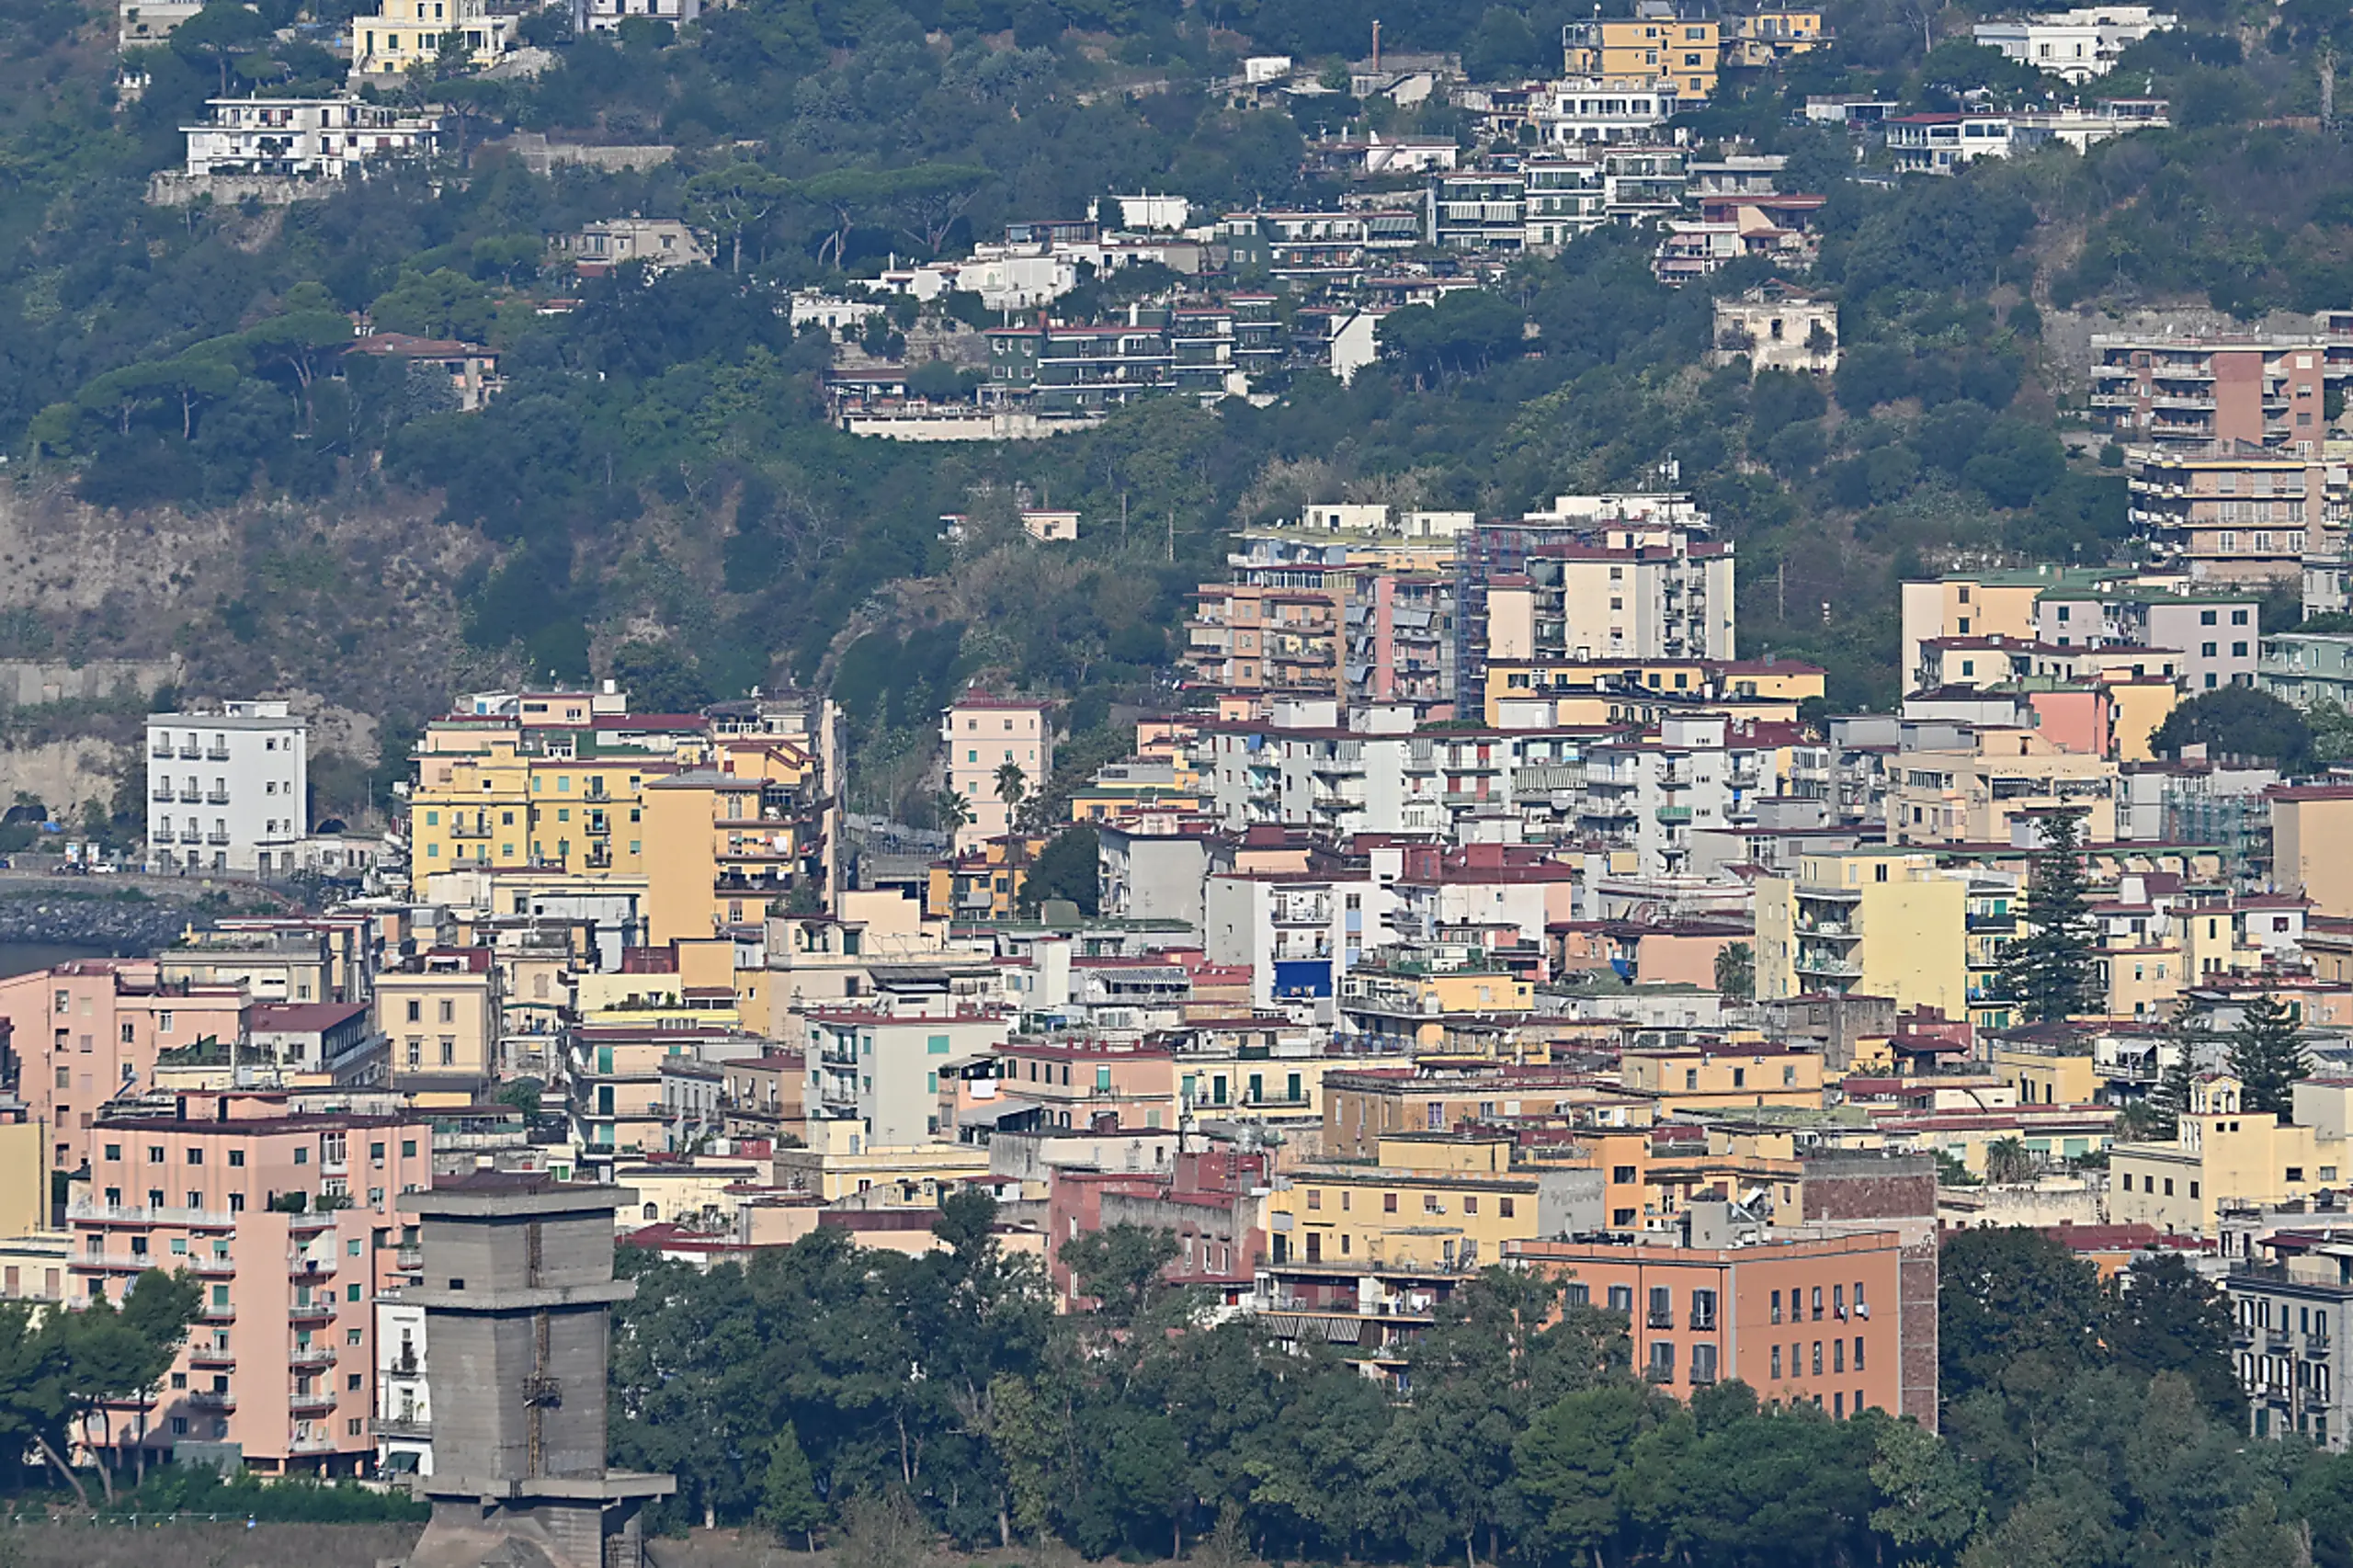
x=1820, y=1322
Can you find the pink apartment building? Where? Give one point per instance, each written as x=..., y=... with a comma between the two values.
x=281, y=1362
x=85, y=1031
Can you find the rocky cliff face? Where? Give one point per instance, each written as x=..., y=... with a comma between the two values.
x=357, y=601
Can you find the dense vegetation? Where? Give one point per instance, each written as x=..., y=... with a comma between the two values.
x=657, y=494
x=2084, y=1423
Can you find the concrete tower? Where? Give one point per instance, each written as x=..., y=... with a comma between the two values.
x=517, y=1288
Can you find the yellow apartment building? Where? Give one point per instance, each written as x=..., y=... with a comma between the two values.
x=982, y=882
x=2136, y=706
x=1411, y=1006
x=718, y=846
x=1724, y=1077
x=2223, y=1153
x=470, y=802
x=1364, y=1104
x=1972, y=796
x=1432, y=1201
x=587, y=811
x=1875, y=922
x=1654, y=43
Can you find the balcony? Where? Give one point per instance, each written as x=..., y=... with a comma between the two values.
x=318, y=1401
x=216, y=837
x=208, y=1356
x=217, y=1267
x=301, y=1267
x=317, y=1310
x=478, y=828
x=409, y=1258
x=218, y=1312
x=1675, y=816
x=123, y=1214
x=1659, y=1372
x=212, y=1399
x=404, y=1427
x=313, y=1444
x=163, y=790
x=311, y=1356
x=189, y=752
x=215, y=753
x=216, y=797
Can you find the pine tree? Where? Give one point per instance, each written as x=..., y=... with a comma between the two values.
x=2267, y=1057
x=789, y=1499
x=2047, y=968
x=2169, y=1101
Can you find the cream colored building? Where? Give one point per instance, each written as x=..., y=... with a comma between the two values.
x=1973, y=795
x=1873, y=921
x=410, y=32
x=2225, y=1154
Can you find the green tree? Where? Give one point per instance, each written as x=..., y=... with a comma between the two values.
x=2163, y=1317
x=2047, y=968
x=789, y=1501
x=1064, y=869
x=1934, y=1504
x=2267, y=1055
x=2187, y=1036
x=735, y=200
x=1566, y=1465
x=1736, y=972
x=2008, y=1162
x=2238, y=721
x=1122, y=1266
x=218, y=34
x=2004, y=1293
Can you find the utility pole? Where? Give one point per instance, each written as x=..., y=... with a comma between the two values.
x=2327, y=86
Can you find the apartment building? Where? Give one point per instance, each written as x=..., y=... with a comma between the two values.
x=721, y=846
x=1722, y=1075
x=438, y=1014
x=1977, y=786
x=2198, y=391
x=615, y=1081
x=1299, y=933
x=1429, y=1201
x=2237, y=512
x=80, y=1034
x=2307, y=670
x=227, y=791
x=2291, y=1313
x=1588, y=111
x=606, y=16
x=2077, y=45
x=306, y=139
x=1649, y=793
x=286, y=1217
x=1824, y=1322
x=763, y=1096
x=1062, y=368
x=1676, y=40
x=1074, y=1083
x=979, y=735
x=1649, y=552
x=2208, y=635
x=878, y=1066
x=1872, y=921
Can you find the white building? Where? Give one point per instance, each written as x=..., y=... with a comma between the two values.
x=403, y=1406
x=1649, y=794
x=227, y=791
x=2078, y=44
x=606, y=16
x=1299, y=934
x=1602, y=108
x=140, y=24
x=979, y=735
x=304, y=138
x=1940, y=143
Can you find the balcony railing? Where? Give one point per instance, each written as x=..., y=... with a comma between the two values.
x=402, y=1427
x=311, y=1356
x=309, y=1312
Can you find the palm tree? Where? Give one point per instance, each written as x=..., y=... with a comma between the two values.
x=953, y=810
x=1012, y=787
x=2008, y=1162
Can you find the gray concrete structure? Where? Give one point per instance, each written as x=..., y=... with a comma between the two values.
x=517, y=1288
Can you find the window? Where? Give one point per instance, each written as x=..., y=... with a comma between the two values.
x=1858, y=1352
x=1817, y=1357
x=1777, y=1361
x=1662, y=1366
x=415, y=1011
x=1622, y=1175
x=1837, y=1355
x=236, y=1157
x=1389, y=1203
x=1703, y=1309
x=1662, y=1314
x=1622, y=1299
x=1817, y=1303
x=1506, y=1207
x=1776, y=1317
